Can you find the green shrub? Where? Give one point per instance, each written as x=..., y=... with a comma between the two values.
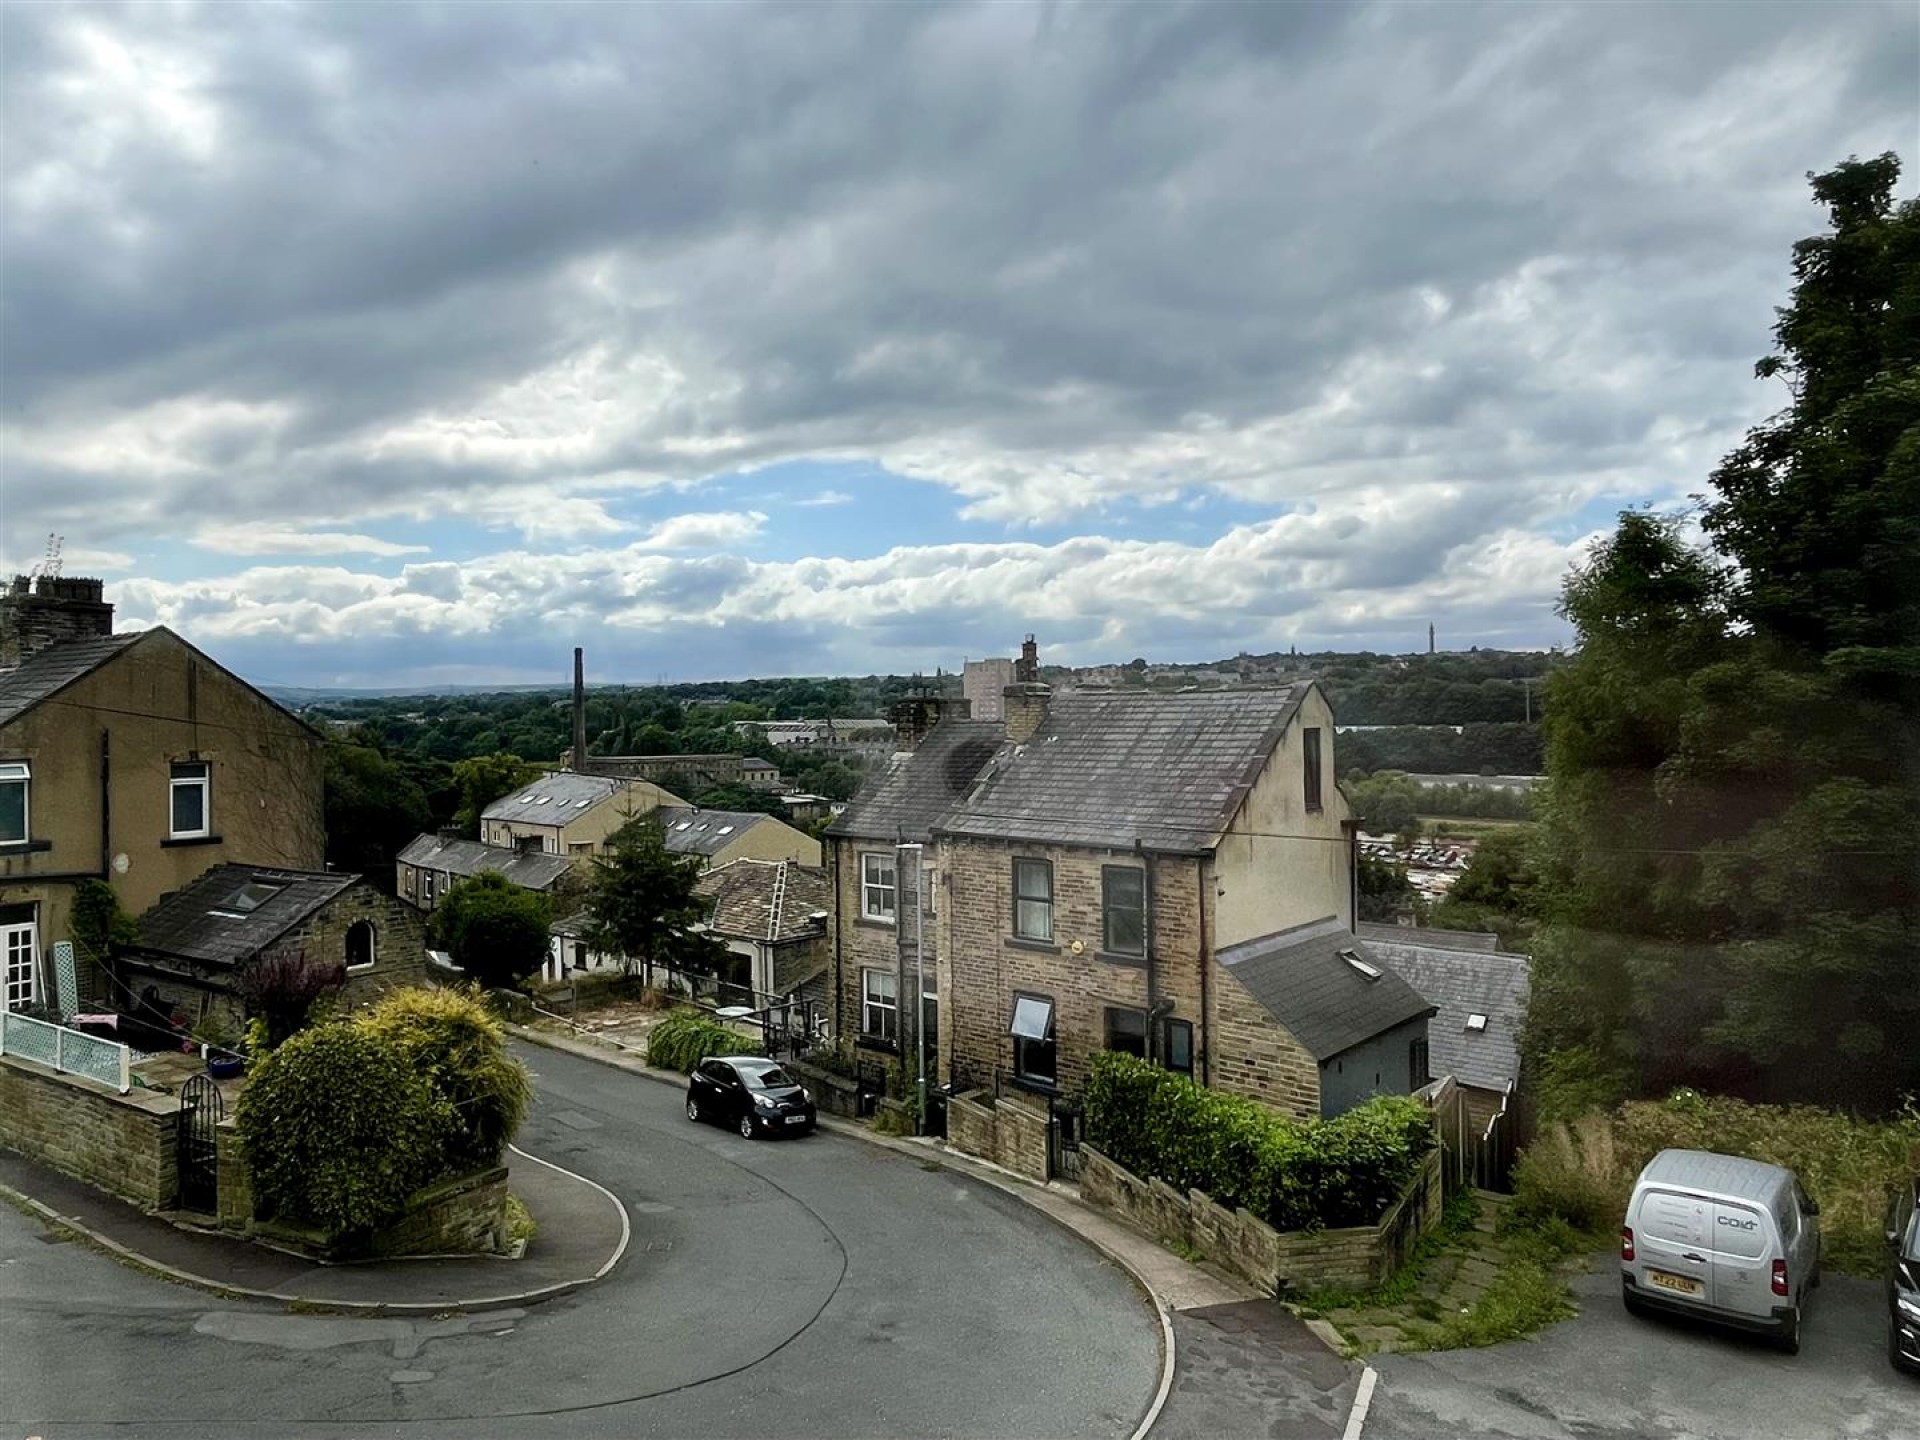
x=1583, y=1172
x=339, y=1129
x=686, y=1037
x=1295, y=1174
x=449, y=1036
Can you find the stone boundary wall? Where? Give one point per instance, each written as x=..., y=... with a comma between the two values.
x=1010, y=1134
x=463, y=1215
x=123, y=1144
x=833, y=1093
x=1354, y=1258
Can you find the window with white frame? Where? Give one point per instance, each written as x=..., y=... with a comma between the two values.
x=190, y=813
x=15, y=778
x=877, y=886
x=19, y=963
x=880, y=1005
x=1033, y=900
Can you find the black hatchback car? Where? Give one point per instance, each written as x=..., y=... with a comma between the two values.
x=1903, y=1278
x=752, y=1095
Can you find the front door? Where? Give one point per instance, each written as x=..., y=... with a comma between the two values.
x=20, y=957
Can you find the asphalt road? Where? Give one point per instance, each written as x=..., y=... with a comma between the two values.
x=810, y=1287
x=1607, y=1375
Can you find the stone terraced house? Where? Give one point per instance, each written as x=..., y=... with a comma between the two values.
x=1171, y=876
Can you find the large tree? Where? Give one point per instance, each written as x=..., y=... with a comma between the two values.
x=482, y=780
x=642, y=904
x=495, y=931
x=373, y=808
x=1735, y=750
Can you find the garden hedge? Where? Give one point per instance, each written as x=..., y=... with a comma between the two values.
x=686, y=1037
x=1294, y=1174
x=450, y=1037
x=340, y=1129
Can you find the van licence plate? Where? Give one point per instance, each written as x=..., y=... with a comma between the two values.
x=1680, y=1283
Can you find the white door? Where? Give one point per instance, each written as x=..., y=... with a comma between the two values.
x=19, y=951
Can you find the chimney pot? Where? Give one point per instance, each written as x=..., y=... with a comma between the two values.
x=47, y=610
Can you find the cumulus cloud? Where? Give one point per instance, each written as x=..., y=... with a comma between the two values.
x=264, y=540
x=1416, y=283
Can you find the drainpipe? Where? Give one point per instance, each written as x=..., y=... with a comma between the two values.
x=1206, y=964
x=833, y=879
x=1153, y=974
x=106, y=804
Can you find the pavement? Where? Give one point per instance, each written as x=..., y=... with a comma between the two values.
x=812, y=1286
x=582, y=1233
x=1608, y=1375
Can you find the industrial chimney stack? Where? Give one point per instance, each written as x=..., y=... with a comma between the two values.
x=579, y=711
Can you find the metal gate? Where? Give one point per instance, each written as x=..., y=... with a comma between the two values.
x=201, y=1109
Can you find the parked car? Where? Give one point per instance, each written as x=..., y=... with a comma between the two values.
x=1723, y=1239
x=754, y=1096
x=1903, y=1278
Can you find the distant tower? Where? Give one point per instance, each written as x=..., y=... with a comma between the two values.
x=1026, y=670
x=1429, y=639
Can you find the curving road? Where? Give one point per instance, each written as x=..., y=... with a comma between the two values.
x=819, y=1287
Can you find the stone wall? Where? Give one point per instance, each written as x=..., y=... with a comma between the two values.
x=1355, y=1258
x=123, y=1144
x=463, y=1215
x=1010, y=1133
x=400, y=944
x=1256, y=1056
x=833, y=1094
x=983, y=965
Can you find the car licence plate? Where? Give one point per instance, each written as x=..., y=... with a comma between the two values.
x=1680, y=1283
x=796, y=1119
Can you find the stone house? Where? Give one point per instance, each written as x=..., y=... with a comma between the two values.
x=758, y=774
x=879, y=853
x=192, y=944
x=134, y=759
x=773, y=916
x=566, y=813
x=431, y=865
x=720, y=837
x=1480, y=994
x=1171, y=876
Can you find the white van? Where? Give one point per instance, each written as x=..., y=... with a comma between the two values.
x=1721, y=1238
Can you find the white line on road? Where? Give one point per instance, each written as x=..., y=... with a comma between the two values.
x=1362, y=1398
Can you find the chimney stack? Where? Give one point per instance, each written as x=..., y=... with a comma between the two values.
x=1025, y=707
x=914, y=716
x=579, y=711
x=1026, y=670
x=36, y=612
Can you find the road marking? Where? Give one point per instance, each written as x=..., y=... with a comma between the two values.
x=626, y=1226
x=1362, y=1398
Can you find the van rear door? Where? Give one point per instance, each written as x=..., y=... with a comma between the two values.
x=1743, y=1252
x=1674, y=1243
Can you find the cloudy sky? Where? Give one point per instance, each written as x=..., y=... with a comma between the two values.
x=385, y=344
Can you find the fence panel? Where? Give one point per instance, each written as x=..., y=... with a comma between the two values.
x=68, y=1051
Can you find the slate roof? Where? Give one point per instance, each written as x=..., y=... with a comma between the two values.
x=1107, y=769
x=692, y=831
x=1463, y=983
x=1479, y=940
x=917, y=787
x=530, y=871
x=555, y=799
x=1300, y=977
x=55, y=668
x=766, y=899
x=207, y=921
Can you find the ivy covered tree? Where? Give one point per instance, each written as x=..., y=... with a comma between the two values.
x=1735, y=750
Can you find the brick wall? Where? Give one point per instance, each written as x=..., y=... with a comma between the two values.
x=1356, y=1258
x=1255, y=1056
x=863, y=943
x=123, y=1144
